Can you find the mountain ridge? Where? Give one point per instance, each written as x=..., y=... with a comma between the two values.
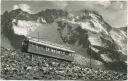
x=88, y=30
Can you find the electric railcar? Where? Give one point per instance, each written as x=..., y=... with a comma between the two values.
x=46, y=48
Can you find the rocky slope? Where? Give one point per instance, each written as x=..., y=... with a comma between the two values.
x=88, y=34
x=17, y=65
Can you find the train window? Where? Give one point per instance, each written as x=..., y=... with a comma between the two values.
x=70, y=54
x=43, y=47
x=47, y=49
x=39, y=48
x=63, y=53
x=36, y=47
x=59, y=52
x=23, y=43
x=66, y=53
x=53, y=50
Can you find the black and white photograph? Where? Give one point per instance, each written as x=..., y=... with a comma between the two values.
x=63, y=40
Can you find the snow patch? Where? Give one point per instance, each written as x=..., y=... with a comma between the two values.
x=22, y=27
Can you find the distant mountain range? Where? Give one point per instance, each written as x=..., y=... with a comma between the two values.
x=87, y=31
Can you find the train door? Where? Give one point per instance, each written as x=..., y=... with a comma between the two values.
x=25, y=46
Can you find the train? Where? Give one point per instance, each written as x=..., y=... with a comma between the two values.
x=45, y=48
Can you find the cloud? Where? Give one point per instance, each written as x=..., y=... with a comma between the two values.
x=23, y=7
x=117, y=5
x=60, y=4
x=92, y=5
x=104, y=3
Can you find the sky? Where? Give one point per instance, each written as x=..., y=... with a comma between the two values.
x=113, y=12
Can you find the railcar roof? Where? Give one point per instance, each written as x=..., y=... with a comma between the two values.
x=49, y=44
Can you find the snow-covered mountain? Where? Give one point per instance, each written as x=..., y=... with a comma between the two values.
x=93, y=33
x=87, y=33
